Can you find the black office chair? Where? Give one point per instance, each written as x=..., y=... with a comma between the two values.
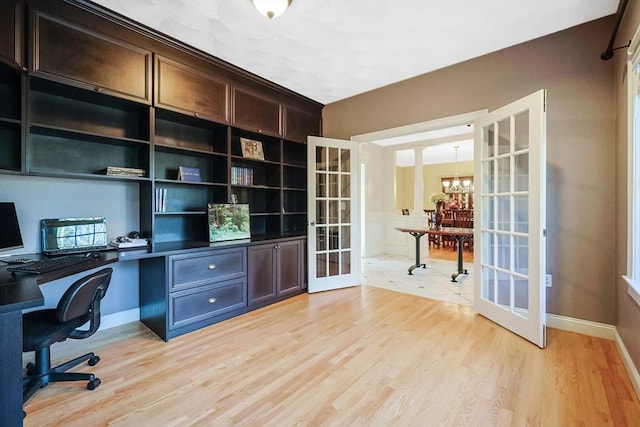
x=79, y=304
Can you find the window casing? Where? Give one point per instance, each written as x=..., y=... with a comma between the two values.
x=633, y=174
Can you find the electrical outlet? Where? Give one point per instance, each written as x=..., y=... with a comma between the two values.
x=548, y=280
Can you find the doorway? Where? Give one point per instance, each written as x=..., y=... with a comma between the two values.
x=381, y=262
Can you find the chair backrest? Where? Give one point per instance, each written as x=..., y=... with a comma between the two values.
x=82, y=299
x=464, y=218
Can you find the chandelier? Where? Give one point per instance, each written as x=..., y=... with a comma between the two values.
x=271, y=8
x=456, y=186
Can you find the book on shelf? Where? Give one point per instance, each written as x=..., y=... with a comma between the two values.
x=122, y=171
x=251, y=149
x=241, y=176
x=161, y=200
x=188, y=174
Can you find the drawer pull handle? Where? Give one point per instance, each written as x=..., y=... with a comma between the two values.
x=212, y=267
x=212, y=300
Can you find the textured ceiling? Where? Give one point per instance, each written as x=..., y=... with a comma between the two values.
x=328, y=50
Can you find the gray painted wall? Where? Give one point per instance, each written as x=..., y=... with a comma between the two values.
x=37, y=198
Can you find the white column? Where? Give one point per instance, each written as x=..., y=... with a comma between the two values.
x=418, y=184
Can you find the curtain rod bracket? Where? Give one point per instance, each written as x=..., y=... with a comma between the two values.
x=608, y=54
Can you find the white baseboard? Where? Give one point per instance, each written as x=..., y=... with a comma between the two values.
x=634, y=376
x=119, y=318
x=585, y=327
x=600, y=330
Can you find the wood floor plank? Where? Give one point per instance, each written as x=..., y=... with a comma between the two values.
x=363, y=356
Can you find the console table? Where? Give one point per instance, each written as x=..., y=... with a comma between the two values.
x=417, y=233
x=460, y=234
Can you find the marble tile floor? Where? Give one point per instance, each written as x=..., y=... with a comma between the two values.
x=390, y=272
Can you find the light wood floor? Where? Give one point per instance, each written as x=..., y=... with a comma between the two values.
x=362, y=356
x=446, y=252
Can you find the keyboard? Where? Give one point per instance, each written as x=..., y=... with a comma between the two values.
x=50, y=264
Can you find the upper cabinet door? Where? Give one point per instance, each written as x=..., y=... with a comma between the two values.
x=300, y=124
x=190, y=91
x=10, y=30
x=256, y=113
x=90, y=60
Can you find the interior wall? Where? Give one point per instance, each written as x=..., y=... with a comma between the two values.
x=374, y=182
x=405, y=183
x=38, y=198
x=580, y=144
x=627, y=311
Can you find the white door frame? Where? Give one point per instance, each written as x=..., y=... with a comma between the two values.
x=412, y=133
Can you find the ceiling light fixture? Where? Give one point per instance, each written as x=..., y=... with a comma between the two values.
x=455, y=185
x=271, y=8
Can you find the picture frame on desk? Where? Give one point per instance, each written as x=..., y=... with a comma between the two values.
x=252, y=149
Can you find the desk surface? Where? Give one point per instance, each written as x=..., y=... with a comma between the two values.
x=19, y=291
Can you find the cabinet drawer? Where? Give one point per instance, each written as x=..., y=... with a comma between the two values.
x=212, y=266
x=194, y=305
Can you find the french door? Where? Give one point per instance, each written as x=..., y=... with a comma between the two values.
x=333, y=232
x=509, y=235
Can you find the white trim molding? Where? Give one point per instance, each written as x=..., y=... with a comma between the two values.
x=633, y=288
x=119, y=318
x=634, y=376
x=585, y=327
x=599, y=330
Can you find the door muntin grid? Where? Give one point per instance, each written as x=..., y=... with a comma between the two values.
x=333, y=211
x=505, y=213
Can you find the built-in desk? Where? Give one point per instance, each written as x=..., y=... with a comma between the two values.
x=184, y=286
x=18, y=292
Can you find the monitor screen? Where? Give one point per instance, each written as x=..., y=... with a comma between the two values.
x=65, y=235
x=10, y=237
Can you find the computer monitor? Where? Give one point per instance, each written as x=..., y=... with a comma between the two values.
x=10, y=237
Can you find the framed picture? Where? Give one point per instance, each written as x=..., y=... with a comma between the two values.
x=252, y=149
x=228, y=221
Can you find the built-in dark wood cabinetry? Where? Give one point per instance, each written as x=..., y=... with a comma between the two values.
x=10, y=31
x=256, y=112
x=276, y=271
x=101, y=93
x=187, y=90
x=10, y=120
x=298, y=124
x=201, y=287
x=91, y=60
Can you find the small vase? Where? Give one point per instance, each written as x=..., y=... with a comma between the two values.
x=439, y=215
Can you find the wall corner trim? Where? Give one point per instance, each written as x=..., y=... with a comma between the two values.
x=634, y=376
x=600, y=330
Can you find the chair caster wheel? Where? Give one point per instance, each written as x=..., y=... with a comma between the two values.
x=31, y=369
x=91, y=385
x=93, y=361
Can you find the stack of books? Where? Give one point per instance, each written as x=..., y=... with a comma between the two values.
x=161, y=200
x=241, y=176
x=120, y=171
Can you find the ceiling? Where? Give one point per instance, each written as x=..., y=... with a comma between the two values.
x=328, y=50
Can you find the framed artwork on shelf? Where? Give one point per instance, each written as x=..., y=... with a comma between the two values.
x=252, y=149
x=228, y=221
